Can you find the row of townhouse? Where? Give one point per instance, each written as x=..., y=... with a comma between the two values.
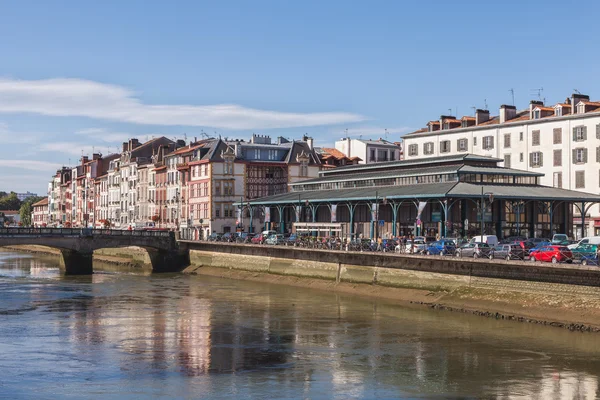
x=172, y=184
x=561, y=141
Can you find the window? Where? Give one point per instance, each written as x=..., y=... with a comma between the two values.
x=579, y=133
x=228, y=210
x=557, y=162
x=488, y=142
x=372, y=158
x=205, y=189
x=558, y=112
x=461, y=144
x=535, y=138
x=536, y=159
x=557, y=180
x=507, y=140
x=507, y=161
x=536, y=114
x=597, y=154
x=227, y=188
x=304, y=168
x=474, y=141
x=579, y=156
x=413, y=150
x=217, y=188
x=579, y=179
x=428, y=148
x=393, y=155
x=520, y=136
x=598, y=131
x=521, y=157
x=445, y=146
x=557, y=135
x=217, y=210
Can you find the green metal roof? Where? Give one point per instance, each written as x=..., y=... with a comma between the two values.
x=459, y=158
x=472, y=169
x=429, y=191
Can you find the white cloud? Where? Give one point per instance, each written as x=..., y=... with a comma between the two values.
x=84, y=98
x=31, y=165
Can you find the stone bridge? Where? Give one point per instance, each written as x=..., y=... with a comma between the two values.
x=77, y=245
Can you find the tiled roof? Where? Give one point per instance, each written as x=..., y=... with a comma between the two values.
x=43, y=202
x=328, y=151
x=544, y=108
x=492, y=121
x=468, y=118
x=563, y=105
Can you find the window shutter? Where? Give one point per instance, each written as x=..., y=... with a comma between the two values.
x=585, y=155
x=574, y=159
x=458, y=148
x=541, y=158
x=491, y=142
x=574, y=134
x=598, y=131
x=584, y=132
x=597, y=154
x=530, y=159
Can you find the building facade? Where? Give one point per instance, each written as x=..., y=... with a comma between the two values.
x=41, y=214
x=369, y=151
x=561, y=141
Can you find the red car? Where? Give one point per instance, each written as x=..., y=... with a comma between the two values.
x=553, y=254
x=257, y=239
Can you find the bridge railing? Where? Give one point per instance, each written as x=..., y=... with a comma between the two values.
x=88, y=232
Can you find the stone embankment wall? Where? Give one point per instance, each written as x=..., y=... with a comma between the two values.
x=381, y=268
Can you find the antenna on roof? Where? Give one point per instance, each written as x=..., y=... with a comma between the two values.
x=93, y=149
x=474, y=110
x=386, y=134
x=346, y=130
x=485, y=103
x=576, y=91
x=539, y=92
x=512, y=93
x=450, y=111
x=185, y=137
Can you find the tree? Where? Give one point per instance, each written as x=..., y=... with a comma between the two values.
x=10, y=202
x=27, y=209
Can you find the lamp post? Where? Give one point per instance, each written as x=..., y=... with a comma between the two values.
x=481, y=209
x=376, y=216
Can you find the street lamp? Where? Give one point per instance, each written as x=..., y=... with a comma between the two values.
x=481, y=209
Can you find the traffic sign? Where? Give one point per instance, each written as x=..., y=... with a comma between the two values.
x=381, y=222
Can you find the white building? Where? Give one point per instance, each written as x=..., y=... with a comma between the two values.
x=369, y=151
x=23, y=196
x=559, y=141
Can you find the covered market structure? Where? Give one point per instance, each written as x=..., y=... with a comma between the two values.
x=450, y=196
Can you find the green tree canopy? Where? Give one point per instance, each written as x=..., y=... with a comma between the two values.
x=10, y=202
x=26, y=209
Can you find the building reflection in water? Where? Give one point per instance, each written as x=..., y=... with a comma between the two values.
x=306, y=343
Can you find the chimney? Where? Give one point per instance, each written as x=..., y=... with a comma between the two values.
x=533, y=104
x=180, y=143
x=238, y=149
x=125, y=146
x=308, y=141
x=576, y=98
x=95, y=156
x=133, y=143
x=507, y=113
x=84, y=159
x=481, y=116
x=443, y=117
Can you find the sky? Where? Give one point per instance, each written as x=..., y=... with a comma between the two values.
x=85, y=76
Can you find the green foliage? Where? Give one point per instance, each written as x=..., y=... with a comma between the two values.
x=26, y=209
x=10, y=202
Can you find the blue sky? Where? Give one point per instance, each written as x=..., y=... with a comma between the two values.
x=86, y=75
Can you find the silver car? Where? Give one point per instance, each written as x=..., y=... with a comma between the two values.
x=475, y=250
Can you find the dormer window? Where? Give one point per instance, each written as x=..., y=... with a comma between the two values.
x=558, y=112
x=581, y=108
x=536, y=114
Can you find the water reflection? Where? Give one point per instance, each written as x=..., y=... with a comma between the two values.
x=232, y=339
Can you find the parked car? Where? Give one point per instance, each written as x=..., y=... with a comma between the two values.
x=553, y=254
x=508, y=252
x=490, y=240
x=228, y=237
x=474, y=250
x=257, y=239
x=441, y=247
x=538, y=240
x=582, y=250
x=511, y=239
x=559, y=238
x=291, y=240
x=539, y=246
x=586, y=240
x=524, y=244
x=389, y=245
x=589, y=259
x=275, y=239
x=214, y=237
x=416, y=246
x=243, y=237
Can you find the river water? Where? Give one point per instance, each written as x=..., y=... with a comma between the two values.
x=126, y=335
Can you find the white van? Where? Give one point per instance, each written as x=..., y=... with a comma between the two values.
x=491, y=240
x=586, y=240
